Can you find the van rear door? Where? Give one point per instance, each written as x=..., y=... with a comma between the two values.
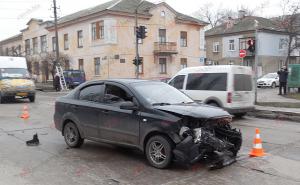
x=243, y=94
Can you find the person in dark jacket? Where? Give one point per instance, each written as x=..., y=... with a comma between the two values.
x=283, y=76
x=57, y=82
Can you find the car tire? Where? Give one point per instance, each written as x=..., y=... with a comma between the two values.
x=159, y=151
x=239, y=115
x=31, y=98
x=72, y=135
x=273, y=86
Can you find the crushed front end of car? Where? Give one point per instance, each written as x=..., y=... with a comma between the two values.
x=211, y=140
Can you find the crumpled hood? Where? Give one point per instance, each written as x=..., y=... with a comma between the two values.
x=195, y=110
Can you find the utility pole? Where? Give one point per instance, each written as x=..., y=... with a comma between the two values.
x=256, y=60
x=137, y=57
x=56, y=33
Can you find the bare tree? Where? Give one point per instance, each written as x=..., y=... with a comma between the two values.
x=290, y=23
x=48, y=60
x=216, y=14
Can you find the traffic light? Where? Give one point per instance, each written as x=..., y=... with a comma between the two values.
x=251, y=45
x=138, y=62
x=141, y=32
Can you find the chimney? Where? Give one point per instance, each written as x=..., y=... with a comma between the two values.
x=241, y=14
x=229, y=22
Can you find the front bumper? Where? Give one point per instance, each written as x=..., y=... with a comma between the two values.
x=21, y=93
x=219, y=150
x=264, y=84
x=240, y=110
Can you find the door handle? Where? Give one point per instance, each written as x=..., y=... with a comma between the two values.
x=74, y=107
x=105, y=112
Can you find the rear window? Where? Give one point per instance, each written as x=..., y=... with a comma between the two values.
x=242, y=82
x=207, y=81
x=92, y=93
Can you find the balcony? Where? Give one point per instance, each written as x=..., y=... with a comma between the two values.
x=165, y=48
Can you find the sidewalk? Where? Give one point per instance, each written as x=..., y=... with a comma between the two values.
x=273, y=106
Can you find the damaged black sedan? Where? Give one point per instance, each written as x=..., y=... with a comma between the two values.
x=151, y=116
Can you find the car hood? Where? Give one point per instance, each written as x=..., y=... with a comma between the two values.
x=265, y=79
x=195, y=110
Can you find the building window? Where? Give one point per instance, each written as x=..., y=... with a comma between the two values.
x=122, y=60
x=183, y=39
x=162, y=65
x=53, y=43
x=216, y=47
x=282, y=43
x=43, y=43
x=67, y=64
x=36, y=68
x=81, y=64
x=27, y=47
x=97, y=66
x=66, y=41
x=98, y=30
x=80, y=39
x=162, y=34
x=7, y=52
x=183, y=63
x=18, y=50
x=162, y=13
x=141, y=67
x=35, y=45
x=231, y=45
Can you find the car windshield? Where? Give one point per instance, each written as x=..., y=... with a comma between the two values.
x=270, y=75
x=13, y=73
x=73, y=74
x=159, y=93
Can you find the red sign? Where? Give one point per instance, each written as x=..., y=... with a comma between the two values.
x=242, y=53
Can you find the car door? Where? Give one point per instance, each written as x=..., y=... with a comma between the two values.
x=119, y=125
x=89, y=109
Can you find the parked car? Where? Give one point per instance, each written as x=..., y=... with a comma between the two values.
x=74, y=78
x=268, y=80
x=226, y=86
x=15, y=80
x=151, y=116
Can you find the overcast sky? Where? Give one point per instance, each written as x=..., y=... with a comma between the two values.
x=14, y=14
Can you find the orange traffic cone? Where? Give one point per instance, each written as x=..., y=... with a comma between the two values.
x=257, y=150
x=25, y=114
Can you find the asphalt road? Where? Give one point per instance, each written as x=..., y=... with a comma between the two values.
x=52, y=163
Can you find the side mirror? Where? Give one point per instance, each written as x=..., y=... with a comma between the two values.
x=128, y=105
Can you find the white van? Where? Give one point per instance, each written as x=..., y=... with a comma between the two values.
x=226, y=86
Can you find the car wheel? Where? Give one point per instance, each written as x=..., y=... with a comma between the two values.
x=72, y=135
x=240, y=115
x=273, y=85
x=159, y=151
x=31, y=98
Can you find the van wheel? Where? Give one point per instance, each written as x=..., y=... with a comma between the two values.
x=31, y=98
x=240, y=115
x=1, y=99
x=214, y=104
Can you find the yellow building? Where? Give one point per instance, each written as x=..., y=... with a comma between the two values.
x=101, y=40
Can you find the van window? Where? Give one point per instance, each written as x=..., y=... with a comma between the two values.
x=207, y=81
x=242, y=82
x=177, y=82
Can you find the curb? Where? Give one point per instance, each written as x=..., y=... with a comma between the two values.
x=276, y=115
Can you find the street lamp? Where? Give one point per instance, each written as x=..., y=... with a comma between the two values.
x=256, y=59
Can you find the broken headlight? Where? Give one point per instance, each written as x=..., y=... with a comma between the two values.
x=197, y=135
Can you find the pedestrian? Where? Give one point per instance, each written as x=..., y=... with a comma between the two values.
x=283, y=76
x=57, y=82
